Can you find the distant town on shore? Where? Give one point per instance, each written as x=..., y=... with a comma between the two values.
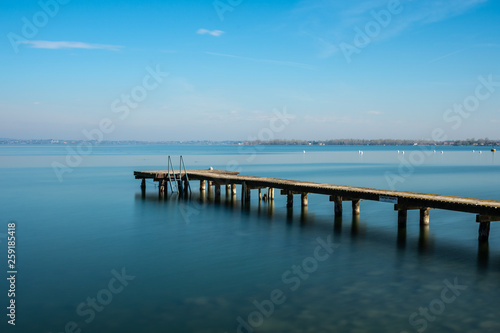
x=332, y=142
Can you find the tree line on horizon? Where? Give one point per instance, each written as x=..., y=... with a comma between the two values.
x=330, y=142
x=377, y=142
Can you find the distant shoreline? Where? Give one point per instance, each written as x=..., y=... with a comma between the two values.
x=334, y=142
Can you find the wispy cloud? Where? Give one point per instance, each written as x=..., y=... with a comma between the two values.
x=331, y=23
x=446, y=55
x=374, y=113
x=215, y=33
x=487, y=45
x=266, y=61
x=43, y=44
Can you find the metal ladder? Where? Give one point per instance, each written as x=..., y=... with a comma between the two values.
x=183, y=166
x=172, y=178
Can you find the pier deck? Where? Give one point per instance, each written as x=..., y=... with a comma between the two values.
x=486, y=210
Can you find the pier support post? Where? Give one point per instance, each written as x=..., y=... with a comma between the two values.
x=355, y=225
x=424, y=216
x=245, y=193
x=180, y=187
x=483, y=253
x=228, y=190
x=161, y=188
x=484, y=231
x=202, y=185
x=337, y=225
x=270, y=193
x=484, y=226
x=303, y=215
x=423, y=238
x=270, y=208
x=260, y=194
x=303, y=199
x=402, y=217
x=217, y=191
x=355, y=207
x=233, y=189
x=143, y=185
x=289, y=199
x=337, y=199
x=210, y=190
x=401, y=242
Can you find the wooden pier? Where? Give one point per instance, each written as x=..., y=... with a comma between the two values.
x=486, y=210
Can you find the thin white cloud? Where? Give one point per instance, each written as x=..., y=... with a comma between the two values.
x=334, y=22
x=215, y=33
x=446, y=55
x=375, y=113
x=54, y=45
x=266, y=61
x=487, y=45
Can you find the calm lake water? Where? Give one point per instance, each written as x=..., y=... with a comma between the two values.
x=94, y=255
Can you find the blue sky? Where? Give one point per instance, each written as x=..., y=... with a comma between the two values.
x=342, y=69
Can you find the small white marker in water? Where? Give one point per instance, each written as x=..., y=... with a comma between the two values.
x=403, y=152
x=480, y=152
x=304, y=151
x=398, y=151
x=442, y=152
x=473, y=151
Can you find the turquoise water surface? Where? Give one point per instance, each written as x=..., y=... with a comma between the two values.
x=95, y=255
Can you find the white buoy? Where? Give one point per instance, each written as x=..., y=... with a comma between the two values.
x=442, y=152
x=398, y=151
x=480, y=152
x=403, y=152
x=304, y=151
